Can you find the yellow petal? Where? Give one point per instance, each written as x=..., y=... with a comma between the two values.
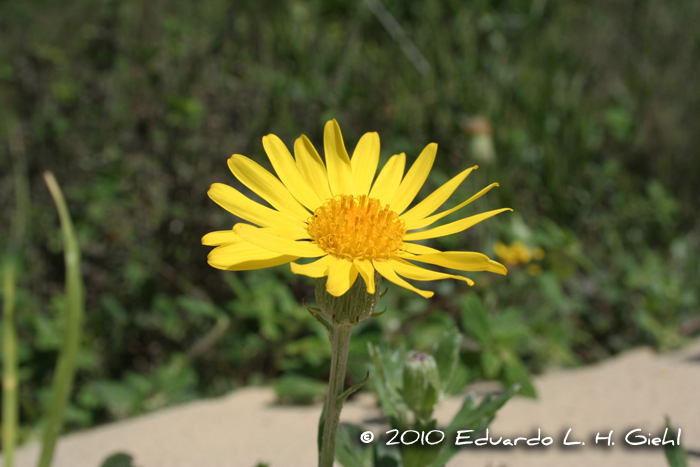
x=341, y=276
x=240, y=205
x=220, y=237
x=277, y=244
x=388, y=273
x=364, y=163
x=267, y=186
x=453, y=227
x=244, y=256
x=417, y=249
x=289, y=173
x=389, y=179
x=436, y=198
x=461, y=260
x=312, y=168
x=366, y=270
x=318, y=268
x=420, y=223
x=337, y=160
x=414, y=179
x=411, y=271
x=290, y=233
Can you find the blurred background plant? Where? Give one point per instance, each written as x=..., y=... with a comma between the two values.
x=592, y=111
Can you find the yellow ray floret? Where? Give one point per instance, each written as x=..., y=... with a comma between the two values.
x=341, y=217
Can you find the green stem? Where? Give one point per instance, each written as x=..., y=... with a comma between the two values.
x=10, y=415
x=65, y=369
x=340, y=346
x=21, y=182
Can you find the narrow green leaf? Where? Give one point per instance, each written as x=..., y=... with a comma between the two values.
x=351, y=390
x=10, y=381
x=321, y=424
x=75, y=302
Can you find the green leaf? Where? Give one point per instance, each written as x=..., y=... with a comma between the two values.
x=386, y=456
x=118, y=460
x=515, y=372
x=490, y=363
x=386, y=379
x=471, y=418
x=462, y=376
x=321, y=424
x=675, y=454
x=349, y=451
x=446, y=355
x=475, y=319
x=417, y=455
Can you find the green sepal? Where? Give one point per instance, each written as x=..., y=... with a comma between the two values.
x=377, y=313
x=350, y=308
x=320, y=317
x=384, y=293
x=341, y=398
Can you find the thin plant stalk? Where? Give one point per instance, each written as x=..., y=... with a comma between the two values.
x=10, y=383
x=10, y=380
x=340, y=345
x=65, y=369
x=21, y=183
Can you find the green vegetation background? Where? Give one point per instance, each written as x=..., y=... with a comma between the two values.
x=135, y=106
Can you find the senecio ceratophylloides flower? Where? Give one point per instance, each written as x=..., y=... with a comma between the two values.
x=339, y=215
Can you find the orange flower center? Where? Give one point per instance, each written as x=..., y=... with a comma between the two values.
x=357, y=228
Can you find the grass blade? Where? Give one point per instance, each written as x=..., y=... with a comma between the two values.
x=65, y=369
x=10, y=414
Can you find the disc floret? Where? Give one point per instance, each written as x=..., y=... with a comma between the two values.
x=357, y=228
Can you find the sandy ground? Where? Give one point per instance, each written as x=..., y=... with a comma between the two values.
x=634, y=390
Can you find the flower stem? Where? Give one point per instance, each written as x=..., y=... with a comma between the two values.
x=340, y=345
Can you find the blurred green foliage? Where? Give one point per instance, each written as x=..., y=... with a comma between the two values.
x=135, y=106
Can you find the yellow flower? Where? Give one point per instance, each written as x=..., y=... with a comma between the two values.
x=335, y=213
x=519, y=253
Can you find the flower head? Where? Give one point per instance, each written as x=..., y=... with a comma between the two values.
x=339, y=213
